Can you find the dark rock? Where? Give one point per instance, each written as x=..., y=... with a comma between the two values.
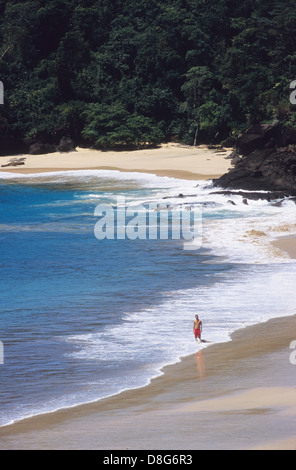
x=39, y=148
x=259, y=136
x=66, y=145
x=267, y=170
x=289, y=137
x=250, y=142
x=234, y=157
x=264, y=159
x=253, y=195
x=180, y=196
x=13, y=164
x=229, y=142
x=277, y=204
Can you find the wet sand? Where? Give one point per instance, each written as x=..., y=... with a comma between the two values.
x=236, y=395
x=287, y=244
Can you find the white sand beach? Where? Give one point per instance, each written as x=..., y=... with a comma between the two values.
x=166, y=160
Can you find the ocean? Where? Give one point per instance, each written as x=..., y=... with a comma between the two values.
x=82, y=319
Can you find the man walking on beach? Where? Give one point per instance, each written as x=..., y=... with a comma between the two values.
x=197, y=328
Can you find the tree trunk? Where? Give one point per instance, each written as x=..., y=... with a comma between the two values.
x=6, y=50
x=196, y=134
x=197, y=124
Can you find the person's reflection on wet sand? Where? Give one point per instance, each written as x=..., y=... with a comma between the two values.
x=200, y=365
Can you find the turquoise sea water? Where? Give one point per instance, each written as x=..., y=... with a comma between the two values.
x=82, y=318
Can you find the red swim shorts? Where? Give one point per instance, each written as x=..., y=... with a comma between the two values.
x=197, y=333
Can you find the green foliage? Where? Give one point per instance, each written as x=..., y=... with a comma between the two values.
x=109, y=126
x=137, y=72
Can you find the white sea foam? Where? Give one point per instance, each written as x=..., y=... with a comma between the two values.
x=161, y=335
x=84, y=175
x=235, y=233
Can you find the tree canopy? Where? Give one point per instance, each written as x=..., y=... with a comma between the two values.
x=139, y=72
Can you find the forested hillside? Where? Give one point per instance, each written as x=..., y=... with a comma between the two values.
x=113, y=72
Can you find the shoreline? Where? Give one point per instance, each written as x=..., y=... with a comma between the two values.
x=244, y=385
x=172, y=160
x=178, y=174
x=215, y=390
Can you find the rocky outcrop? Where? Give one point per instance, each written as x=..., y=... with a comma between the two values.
x=259, y=137
x=261, y=162
x=39, y=148
x=66, y=144
x=267, y=170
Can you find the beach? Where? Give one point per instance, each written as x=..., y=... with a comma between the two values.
x=236, y=395
x=239, y=394
x=170, y=159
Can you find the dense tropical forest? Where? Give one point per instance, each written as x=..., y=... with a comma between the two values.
x=135, y=72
